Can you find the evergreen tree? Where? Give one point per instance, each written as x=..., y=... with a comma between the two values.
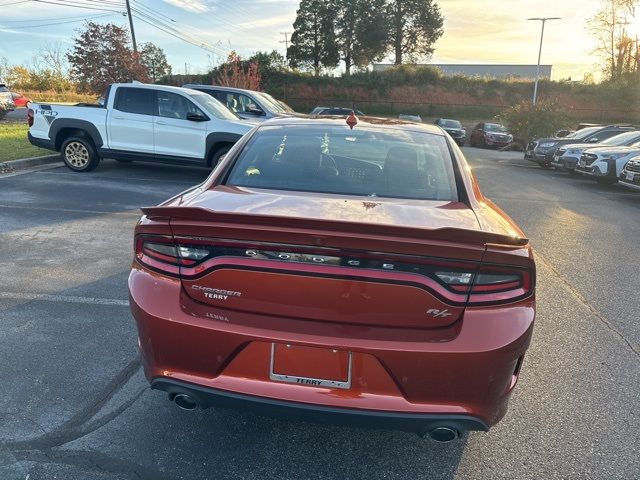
x=313, y=42
x=155, y=61
x=414, y=27
x=361, y=34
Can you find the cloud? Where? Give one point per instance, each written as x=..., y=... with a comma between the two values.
x=197, y=6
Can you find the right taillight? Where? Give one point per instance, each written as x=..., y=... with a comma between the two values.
x=30, y=116
x=490, y=286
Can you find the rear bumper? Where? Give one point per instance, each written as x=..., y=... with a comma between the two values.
x=465, y=370
x=409, y=422
x=41, y=142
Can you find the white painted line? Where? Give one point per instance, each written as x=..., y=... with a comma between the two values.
x=133, y=210
x=64, y=299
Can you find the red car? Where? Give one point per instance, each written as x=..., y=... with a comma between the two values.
x=20, y=100
x=490, y=135
x=341, y=274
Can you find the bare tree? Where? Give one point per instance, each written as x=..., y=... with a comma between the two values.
x=616, y=47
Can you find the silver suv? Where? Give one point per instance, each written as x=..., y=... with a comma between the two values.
x=247, y=104
x=6, y=97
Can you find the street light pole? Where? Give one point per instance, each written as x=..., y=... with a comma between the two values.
x=544, y=21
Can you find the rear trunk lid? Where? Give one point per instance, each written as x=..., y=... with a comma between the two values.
x=382, y=263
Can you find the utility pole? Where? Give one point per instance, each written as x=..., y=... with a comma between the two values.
x=286, y=39
x=133, y=33
x=543, y=20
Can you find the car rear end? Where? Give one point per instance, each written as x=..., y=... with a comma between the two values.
x=403, y=313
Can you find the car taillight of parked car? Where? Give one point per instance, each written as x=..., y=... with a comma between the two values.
x=30, y=117
x=487, y=285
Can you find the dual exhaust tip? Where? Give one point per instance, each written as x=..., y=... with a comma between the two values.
x=438, y=434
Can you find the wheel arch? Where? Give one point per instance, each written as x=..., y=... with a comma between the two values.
x=217, y=140
x=62, y=129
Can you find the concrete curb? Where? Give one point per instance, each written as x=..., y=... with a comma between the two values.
x=22, y=163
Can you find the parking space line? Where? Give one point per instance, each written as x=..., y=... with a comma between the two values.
x=134, y=210
x=64, y=299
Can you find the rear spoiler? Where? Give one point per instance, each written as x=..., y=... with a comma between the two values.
x=448, y=234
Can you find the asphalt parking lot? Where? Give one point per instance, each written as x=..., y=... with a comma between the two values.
x=75, y=404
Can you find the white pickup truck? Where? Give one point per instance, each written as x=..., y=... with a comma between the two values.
x=138, y=122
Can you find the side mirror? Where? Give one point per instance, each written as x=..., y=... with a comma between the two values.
x=593, y=140
x=196, y=117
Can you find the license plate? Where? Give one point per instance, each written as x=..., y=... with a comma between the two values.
x=630, y=176
x=582, y=163
x=312, y=366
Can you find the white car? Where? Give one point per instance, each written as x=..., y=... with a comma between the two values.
x=605, y=164
x=138, y=122
x=630, y=175
x=567, y=156
x=6, y=98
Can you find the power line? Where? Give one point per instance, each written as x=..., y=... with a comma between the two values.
x=77, y=6
x=18, y=27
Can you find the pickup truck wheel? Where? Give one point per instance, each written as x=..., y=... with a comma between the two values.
x=215, y=159
x=79, y=154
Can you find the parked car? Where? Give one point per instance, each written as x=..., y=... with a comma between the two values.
x=247, y=104
x=605, y=164
x=490, y=135
x=138, y=122
x=356, y=275
x=566, y=157
x=542, y=150
x=630, y=175
x=341, y=111
x=453, y=128
x=19, y=100
x=410, y=118
x=6, y=97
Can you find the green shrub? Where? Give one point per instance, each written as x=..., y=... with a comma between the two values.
x=4, y=109
x=527, y=121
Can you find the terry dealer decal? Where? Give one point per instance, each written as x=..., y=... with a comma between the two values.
x=215, y=293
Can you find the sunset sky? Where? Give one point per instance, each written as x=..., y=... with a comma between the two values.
x=475, y=31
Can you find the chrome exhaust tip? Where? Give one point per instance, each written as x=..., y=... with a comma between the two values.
x=185, y=402
x=443, y=434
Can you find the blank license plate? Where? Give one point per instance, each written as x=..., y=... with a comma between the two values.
x=319, y=367
x=630, y=176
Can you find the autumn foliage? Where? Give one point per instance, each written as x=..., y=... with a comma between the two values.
x=101, y=55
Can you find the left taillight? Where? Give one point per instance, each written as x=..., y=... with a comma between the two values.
x=30, y=117
x=162, y=254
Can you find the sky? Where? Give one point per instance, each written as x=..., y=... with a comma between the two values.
x=475, y=31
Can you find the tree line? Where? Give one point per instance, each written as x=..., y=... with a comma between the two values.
x=101, y=54
x=359, y=32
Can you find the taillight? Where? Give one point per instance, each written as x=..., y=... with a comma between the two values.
x=490, y=285
x=163, y=255
x=30, y=116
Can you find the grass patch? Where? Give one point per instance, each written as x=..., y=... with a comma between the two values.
x=14, y=143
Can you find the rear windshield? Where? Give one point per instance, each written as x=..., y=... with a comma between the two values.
x=366, y=161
